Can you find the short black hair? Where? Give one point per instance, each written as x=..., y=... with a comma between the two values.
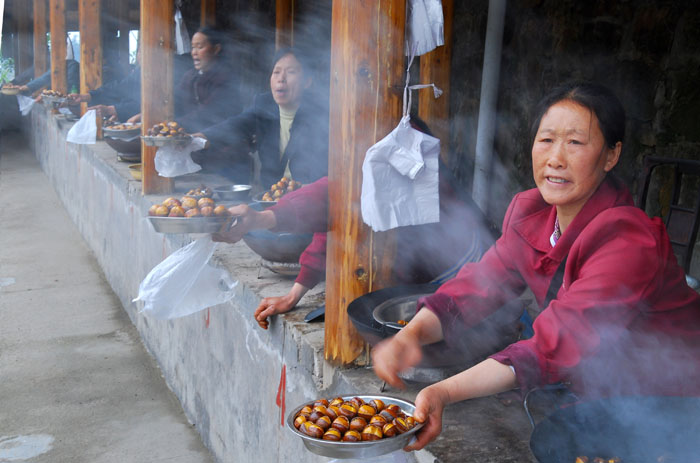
x=297, y=53
x=596, y=97
x=214, y=36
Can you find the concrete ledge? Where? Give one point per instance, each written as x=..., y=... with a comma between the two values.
x=224, y=369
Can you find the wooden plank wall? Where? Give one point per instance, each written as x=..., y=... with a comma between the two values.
x=207, y=15
x=367, y=63
x=89, y=23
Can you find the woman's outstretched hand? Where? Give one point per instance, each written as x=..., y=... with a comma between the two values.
x=245, y=219
x=393, y=355
x=430, y=404
x=275, y=305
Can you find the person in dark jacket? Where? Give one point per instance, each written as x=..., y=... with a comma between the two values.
x=9, y=110
x=286, y=126
x=207, y=93
x=118, y=99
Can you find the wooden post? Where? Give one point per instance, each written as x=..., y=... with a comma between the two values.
x=156, y=93
x=284, y=22
x=23, y=14
x=207, y=15
x=435, y=68
x=58, y=45
x=41, y=61
x=89, y=14
x=367, y=63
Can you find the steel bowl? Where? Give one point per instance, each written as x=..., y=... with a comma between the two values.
x=164, y=141
x=10, y=91
x=239, y=193
x=277, y=247
x=136, y=172
x=258, y=200
x=122, y=134
x=389, y=313
x=358, y=450
x=183, y=225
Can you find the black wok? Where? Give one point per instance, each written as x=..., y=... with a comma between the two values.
x=634, y=429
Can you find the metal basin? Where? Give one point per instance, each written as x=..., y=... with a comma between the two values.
x=236, y=193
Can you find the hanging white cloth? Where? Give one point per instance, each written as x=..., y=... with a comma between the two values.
x=182, y=37
x=400, y=174
x=425, y=26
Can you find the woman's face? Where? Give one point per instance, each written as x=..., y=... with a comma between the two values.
x=569, y=156
x=288, y=82
x=203, y=52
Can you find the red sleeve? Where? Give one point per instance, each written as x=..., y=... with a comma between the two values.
x=479, y=289
x=304, y=210
x=610, y=282
x=313, y=262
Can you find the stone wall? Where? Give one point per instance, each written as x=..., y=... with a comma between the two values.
x=647, y=51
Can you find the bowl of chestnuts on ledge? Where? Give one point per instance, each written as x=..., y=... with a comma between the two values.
x=354, y=426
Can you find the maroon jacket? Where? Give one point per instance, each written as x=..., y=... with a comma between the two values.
x=624, y=320
x=423, y=251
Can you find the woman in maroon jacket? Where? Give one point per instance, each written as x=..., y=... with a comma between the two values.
x=623, y=320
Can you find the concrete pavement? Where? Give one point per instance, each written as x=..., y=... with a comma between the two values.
x=76, y=384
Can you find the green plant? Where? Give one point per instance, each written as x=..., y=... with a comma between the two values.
x=7, y=69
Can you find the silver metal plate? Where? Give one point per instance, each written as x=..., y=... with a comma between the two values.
x=362, y=449
x=163, y=141
x=182, y=225
x=123, y=134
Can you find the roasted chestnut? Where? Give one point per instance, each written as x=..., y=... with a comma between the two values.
x=358, y=423
x=193, y=212
x=366, y=411
x=348, y=410
x=323, y=402
x=333, y=435
x=372, y=432
x=299, y=420
x=357, y=401
x=321, y=409
x=306, y=411
x=206, y=211
x=378, y=404
x=170, y=202
x=378, y=420
x=410, y=421
x=176, y=211
x=341, y=424
x=389, y=415
x=389, y=430
x=401, y=425
x=337, y=402
x=352, y=436
x=324, y=422
x=312, y=429
x=333, y=412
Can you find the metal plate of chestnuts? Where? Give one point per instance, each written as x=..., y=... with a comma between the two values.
x=361, y=448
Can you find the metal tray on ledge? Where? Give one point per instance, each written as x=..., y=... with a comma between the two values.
x=163, y=141
x=183, y=225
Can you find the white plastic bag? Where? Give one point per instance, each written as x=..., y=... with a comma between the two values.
x=425, y=29
x=25, y=104
x=182, y=37
x=184, y=283
x=84, y=131
x=173, y=160
x=400, y=179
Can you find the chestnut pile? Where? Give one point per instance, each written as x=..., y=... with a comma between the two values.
x=53, y=93
x=166, y=129
x=279, y=189
x=187, y=206
x=585, y=459
x=121, y=126
x=352, y=420
x=202, y=191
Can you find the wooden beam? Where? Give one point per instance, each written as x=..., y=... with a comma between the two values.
x=25, y=46
x=41, y=50
x=156, y=92
x=57, y=14
x=435, y=68
x=367, y=62
x=89, y=24
x=207, y=15
x=284, y=23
